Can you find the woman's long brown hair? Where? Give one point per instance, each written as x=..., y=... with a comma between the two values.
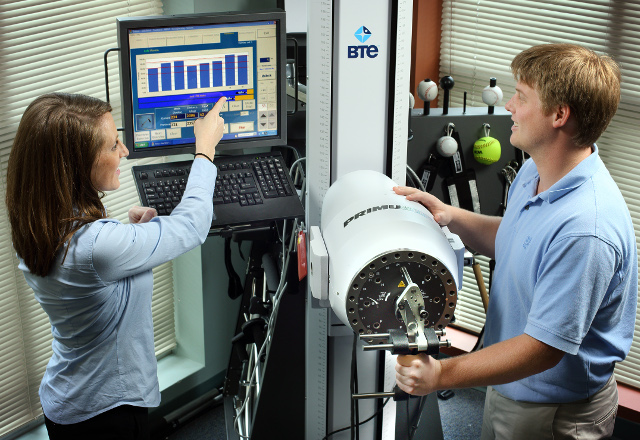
x=49, y=190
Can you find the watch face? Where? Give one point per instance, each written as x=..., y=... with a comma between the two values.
x=372, y=296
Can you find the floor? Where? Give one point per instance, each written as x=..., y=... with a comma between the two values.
x=469, y=402
x=461, y=418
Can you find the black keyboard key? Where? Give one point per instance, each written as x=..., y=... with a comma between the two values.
x=270, y=194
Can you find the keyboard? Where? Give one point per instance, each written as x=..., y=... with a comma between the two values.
x=252, y=190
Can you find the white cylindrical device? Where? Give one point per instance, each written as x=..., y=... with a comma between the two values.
x=371, y=234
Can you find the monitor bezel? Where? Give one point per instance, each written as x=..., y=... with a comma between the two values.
x=124, y=24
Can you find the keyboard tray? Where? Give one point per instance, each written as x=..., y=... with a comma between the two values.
x=252, y=190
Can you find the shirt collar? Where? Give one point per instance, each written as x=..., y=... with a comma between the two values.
x=573, y=179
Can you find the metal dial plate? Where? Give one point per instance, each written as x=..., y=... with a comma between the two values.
x=374, y=290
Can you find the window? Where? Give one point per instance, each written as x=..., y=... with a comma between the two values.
x=45, y=47
x=479, y=40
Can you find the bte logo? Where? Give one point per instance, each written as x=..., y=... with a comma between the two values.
x=362, y=34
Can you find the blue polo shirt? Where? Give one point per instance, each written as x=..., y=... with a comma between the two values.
x=566, y=275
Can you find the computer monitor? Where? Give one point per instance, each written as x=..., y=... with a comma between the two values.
x=173, y=69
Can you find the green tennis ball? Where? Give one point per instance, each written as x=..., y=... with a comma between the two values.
x=486, y=150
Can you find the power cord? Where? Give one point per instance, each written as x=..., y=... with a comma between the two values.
x=355, y=407
x=235, y=285
x=377, y=413
x=413, y=427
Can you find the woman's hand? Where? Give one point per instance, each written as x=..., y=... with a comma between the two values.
x=141, y=214
x=209, y=130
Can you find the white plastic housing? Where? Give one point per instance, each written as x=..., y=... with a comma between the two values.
x=363, y=220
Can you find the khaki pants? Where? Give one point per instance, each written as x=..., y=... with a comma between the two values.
x=588, y=419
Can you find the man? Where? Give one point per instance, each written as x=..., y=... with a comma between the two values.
x=563, y=298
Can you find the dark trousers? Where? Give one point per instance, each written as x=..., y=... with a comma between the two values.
x=120, y=423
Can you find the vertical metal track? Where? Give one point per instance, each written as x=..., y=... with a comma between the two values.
x=319, y=64
x=401, y=89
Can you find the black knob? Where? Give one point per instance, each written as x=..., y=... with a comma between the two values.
x=447, y=83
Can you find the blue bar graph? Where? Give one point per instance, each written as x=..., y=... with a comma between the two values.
x=217, y=73
x=152, y=76
x=242, y=70
x=230, y=70
x=165, y=73
x=194, y=72
x=178, y=68
x=204, y=75
x=192, y=77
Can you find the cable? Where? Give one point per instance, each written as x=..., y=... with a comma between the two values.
x=282, y=286
x=295, y=151
x=297, y=166
x=378, y=411
x=303, y=189
x=355, y=416
x=413, y=427
x=284, y=230
x=297, y=163
x=246, y=399
x=415, y=177
x=234, y=289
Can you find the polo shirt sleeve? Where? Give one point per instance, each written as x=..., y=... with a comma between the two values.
x=573, y=283
x=122, y=250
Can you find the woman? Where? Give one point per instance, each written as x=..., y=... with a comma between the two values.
x=91, y=274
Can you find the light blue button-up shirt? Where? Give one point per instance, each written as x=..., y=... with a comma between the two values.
x=99, y=305
x=566, y=275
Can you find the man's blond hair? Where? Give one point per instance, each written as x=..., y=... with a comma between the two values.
x=568, y=74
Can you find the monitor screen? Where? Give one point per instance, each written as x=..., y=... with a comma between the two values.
x=173, y=69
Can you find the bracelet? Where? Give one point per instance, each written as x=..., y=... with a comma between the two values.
x=203, y=155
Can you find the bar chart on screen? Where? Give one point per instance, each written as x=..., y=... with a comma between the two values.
x=206, y=71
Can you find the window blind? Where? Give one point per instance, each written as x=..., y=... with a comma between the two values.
x=56, y=46
x=479, y=40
